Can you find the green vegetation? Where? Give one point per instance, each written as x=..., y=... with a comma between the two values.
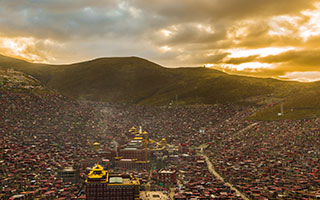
x=303, y=105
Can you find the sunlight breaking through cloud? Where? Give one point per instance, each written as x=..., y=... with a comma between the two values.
x=302, y=76
x=281, y=36
x=24, y=48
x=263, y=52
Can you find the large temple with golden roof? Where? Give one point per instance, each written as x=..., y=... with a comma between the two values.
x=101, y=185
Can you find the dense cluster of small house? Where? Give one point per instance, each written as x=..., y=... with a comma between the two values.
x=42, y=134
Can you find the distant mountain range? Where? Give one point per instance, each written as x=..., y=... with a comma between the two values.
x=139, y=81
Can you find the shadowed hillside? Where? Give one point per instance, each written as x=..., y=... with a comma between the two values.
x=136, y=80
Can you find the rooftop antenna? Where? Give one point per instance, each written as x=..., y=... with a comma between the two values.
x=281, y=109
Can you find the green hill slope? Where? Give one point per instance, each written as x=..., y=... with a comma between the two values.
x=304, y=104
x=136, y=80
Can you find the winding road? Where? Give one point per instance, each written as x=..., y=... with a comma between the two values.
x=216, y=174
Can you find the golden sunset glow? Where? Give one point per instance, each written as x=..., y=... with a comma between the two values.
x=263, y=52
x=302, y=76
x=166, y=33
x=278, y=39
x=209, y=65
x=312, y=28
x=165, y=48
x=17, y=47
x=23, y=48
x=254, y=66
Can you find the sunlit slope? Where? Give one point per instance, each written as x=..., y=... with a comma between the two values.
x=305, y=104
x=19, y=82
x=136, y=80
x=41, y=72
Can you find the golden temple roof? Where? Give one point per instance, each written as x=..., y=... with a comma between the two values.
x=97, y=174
x=138, y=138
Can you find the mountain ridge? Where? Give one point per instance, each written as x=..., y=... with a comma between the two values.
x=140, y=81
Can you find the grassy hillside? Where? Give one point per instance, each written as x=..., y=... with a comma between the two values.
x=304, y=104
x=19, y=82
x=136, y=80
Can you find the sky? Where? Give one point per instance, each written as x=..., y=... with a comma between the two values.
x=264, y=38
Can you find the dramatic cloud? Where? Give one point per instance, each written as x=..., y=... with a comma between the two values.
x=272, y=38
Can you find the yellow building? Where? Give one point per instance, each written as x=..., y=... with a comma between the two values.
x=101, y=184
